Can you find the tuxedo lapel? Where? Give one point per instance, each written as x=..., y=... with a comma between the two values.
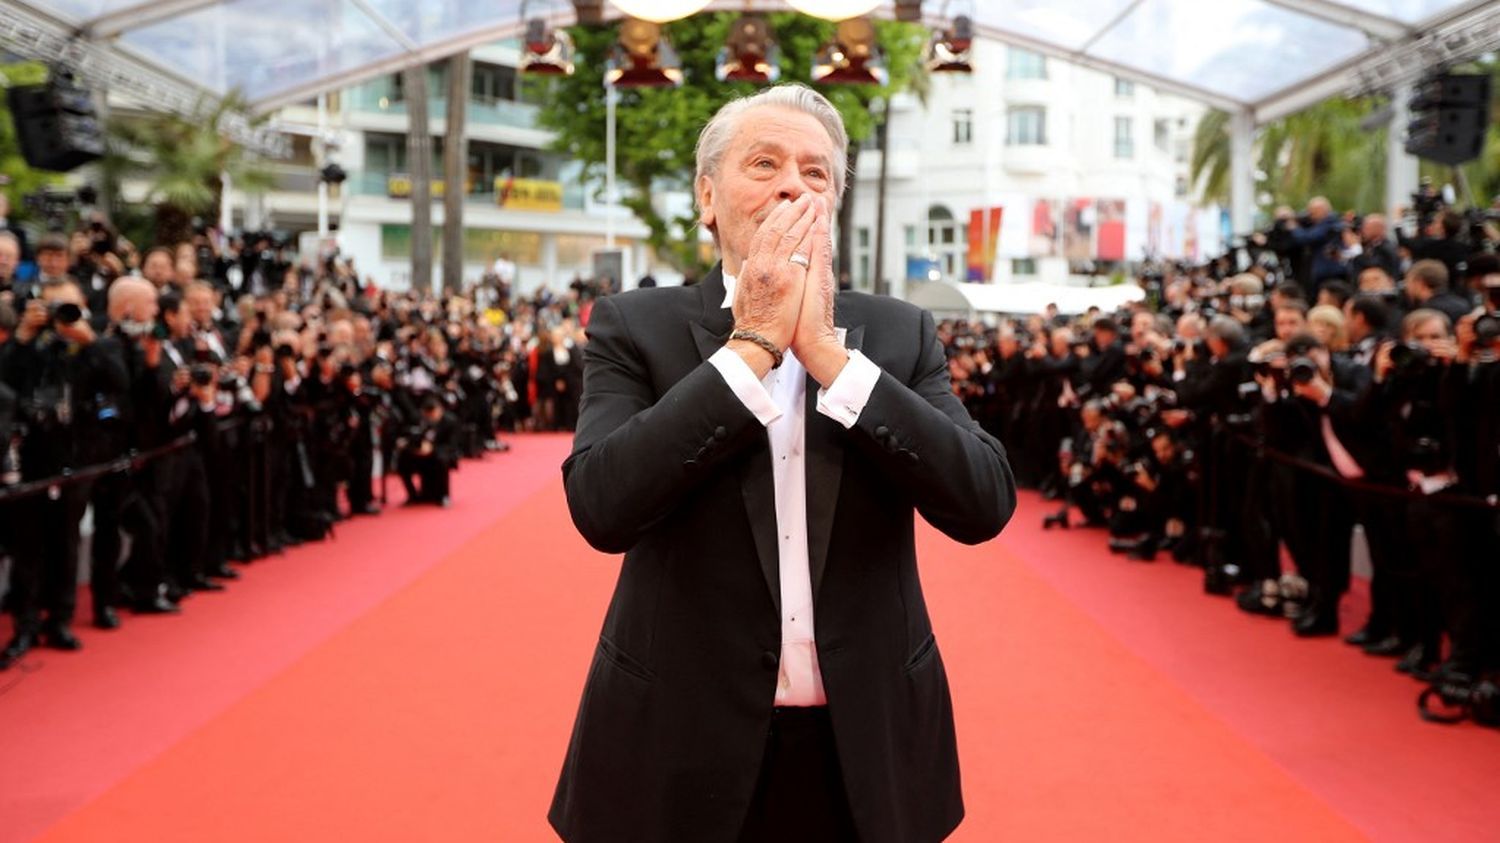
x=756, y=484
x=825, y=470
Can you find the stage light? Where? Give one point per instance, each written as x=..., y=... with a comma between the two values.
x=546, y=51
x=852, y=58
x=750, y=53
x=659, y=11
x=643, y=58
x=834, y=9
x=948, y=52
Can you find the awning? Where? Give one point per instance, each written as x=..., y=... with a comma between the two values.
x=971, y=300
x=1269, y=57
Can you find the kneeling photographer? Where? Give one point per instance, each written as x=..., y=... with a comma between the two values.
x=429, y=452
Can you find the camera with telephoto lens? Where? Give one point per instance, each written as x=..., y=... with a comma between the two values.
x=1408, y=356
x=63, y=313
x=1301, y=370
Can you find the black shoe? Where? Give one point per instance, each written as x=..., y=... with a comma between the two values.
x=175, y=593
x=365, y=509
x=1125, y=544
x=1366, y=635
x=1261, y=599
x=1391, y=645
x=105, y=617
x=19, y=646
x=1056, y=519
x=1315, y=623
x=1418, y=663
x=162, y=605
x=59, y=637
x=238, y=553
x=1143, y=552
x=224, y=572
x=202, y=583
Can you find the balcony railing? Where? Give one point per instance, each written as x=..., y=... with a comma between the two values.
x=379, y=184
x=485, y=111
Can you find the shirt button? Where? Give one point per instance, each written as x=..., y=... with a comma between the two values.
x=721, y=433
x=769, y=660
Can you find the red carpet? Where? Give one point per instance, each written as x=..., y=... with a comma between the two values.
x=416, y=680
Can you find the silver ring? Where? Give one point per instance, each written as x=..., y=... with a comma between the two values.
x=799, y=259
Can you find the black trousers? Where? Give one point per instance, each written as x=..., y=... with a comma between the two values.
x=123, y=501
x=432, y=471
x=44, y=573
x=800, y=795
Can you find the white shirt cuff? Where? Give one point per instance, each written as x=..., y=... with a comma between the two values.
x=745, y=385
x=846, y=398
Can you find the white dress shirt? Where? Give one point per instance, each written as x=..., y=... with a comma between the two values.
x=779, y=403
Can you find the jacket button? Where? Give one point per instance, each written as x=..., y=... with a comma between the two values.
x=882, y=432
x=769, y=660
x=721, y=433
x=689, y=463
x=912, y=456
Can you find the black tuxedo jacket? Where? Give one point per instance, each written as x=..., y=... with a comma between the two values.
x=670, y=468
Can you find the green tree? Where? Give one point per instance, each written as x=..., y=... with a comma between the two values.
x=182, y=158
x=657, y=128
x=1326, y=150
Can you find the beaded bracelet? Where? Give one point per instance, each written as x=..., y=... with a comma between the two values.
x=770, y=347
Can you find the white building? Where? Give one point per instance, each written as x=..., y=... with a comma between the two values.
x=523, y=200
x=1084, y=168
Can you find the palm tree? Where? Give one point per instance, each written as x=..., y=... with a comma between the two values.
x=419, y=161
x=1210, y=166
x=183, y=159
x=455, y=170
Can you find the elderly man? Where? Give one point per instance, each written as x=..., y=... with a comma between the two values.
x=758, y=446
x=10, y=261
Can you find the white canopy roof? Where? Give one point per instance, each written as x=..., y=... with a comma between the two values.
x=945, y=297
x=1268, y=56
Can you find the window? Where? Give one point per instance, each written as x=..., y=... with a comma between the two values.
x=1026, y=126
x=1124, y=87
x=864, y=253
x=1024, y=64
x=963, y=125
x=948, y=242
x=1124, y=138
x=493, y=82
x=1023, y=266
x=1161, y=134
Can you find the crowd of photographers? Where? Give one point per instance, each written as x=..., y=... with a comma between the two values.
x=1343, y=378
x=216, y=405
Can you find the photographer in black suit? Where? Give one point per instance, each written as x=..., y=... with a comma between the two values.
x=758, y=445
x=429, y=454
x=64, y=383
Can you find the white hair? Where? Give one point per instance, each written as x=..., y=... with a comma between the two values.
x=715, y=138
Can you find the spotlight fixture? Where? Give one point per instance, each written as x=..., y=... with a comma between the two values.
x=659, y=11
x=852, y=58
x=643, y=58
x=948, y=52
x=546, y=51
x=834, y=9
x=749, y=54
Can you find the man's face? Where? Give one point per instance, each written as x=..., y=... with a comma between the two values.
x=1375, y=280
x=1355, y=324
x=1104, y=339
x=200, y=306
x=52, y=263
x=158, y=268
x=1372, y=230
x=1416, y=288
x=177, y=322
x=1429, y=333
x=776, y=154
x=10, y=257
x=1164, y=449
x=1289, y=323
x=1141, y=323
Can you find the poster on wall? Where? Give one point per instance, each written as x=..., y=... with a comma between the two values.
x=1111, y=229
x=984, y=241
x=1078, y=230
x=1046, y=215
x=1136, y=229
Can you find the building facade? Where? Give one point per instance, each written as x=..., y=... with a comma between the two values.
x=1029, y=168
x=523, y=201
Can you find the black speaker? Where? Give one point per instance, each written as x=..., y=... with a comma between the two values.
x=1449, y=117
x=56, y=124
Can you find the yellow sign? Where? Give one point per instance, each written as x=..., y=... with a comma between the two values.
x=528, y=194
x=399, y=187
